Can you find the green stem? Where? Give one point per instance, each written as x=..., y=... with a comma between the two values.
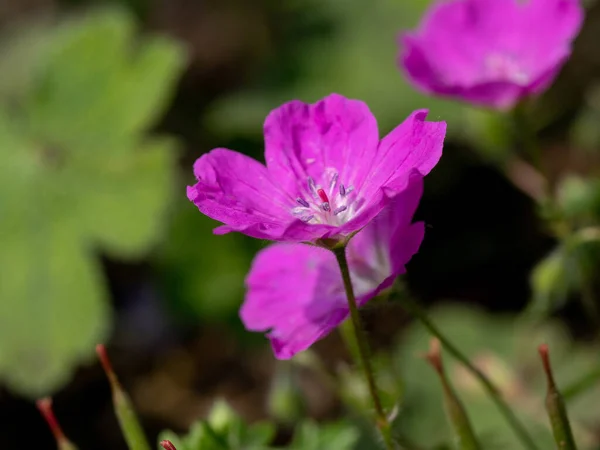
x=362, y=349
x=555, y=406
x=494, y=393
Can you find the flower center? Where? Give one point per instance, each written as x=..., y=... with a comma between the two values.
x=330, y=204
x=504, y=67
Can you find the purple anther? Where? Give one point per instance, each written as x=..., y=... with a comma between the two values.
x=307, y=218
x=303, y=202
x=342, y=190
x=339, y=210
x=325, y=206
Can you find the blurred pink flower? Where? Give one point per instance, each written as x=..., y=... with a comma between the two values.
x=327, y=173
x=490, y=52
x=295, y=291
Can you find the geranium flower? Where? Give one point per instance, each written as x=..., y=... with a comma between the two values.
x=490, y=52
x=295, y=291
x=327, y=174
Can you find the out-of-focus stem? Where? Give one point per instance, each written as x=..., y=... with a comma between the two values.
x=415, y=309
x=44, y=405
x=555, y=406
x=130, y=425
x=362, y=349
x=457, y=415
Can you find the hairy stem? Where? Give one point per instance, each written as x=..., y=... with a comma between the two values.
x=362, y=350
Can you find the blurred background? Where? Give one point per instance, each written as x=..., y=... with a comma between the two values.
x=104, y=107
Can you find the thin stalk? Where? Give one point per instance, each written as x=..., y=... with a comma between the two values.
x=494, y=393
x=362, y=349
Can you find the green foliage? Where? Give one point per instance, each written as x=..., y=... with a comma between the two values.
x=571, y=267
x=505, y=349
x=309, y=436
x=552, y=280
x=579, y=200
x=225, y=430
x=79, y=174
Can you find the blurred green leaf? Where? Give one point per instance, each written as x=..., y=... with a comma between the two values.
x=224, y=430
x=95, y=91
x=579, y=199
x=52, y=311
x=134, y=192
x=552, y=280
x=78, y=173
x=310, y=436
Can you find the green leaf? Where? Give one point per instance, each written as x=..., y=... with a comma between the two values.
x=123, y=204
x=78, y=173
x=552, y=279
x=579, y=199
x=99, y=86
x=53, y=308
x=310, y=436
x=224, y=430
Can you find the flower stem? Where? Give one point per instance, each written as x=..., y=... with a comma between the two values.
x=362, y=349
x=494, y=393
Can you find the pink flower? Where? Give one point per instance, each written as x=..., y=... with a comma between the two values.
x=295, y=291
x=327, y=174
x=491, y=52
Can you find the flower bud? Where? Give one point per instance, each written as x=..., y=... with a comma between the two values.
x=167, y=445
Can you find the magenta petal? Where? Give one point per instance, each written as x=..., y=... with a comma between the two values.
x=237, y=190
x=309, y=140
x=414, y=145
x=489, y=52
x=295, y=293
